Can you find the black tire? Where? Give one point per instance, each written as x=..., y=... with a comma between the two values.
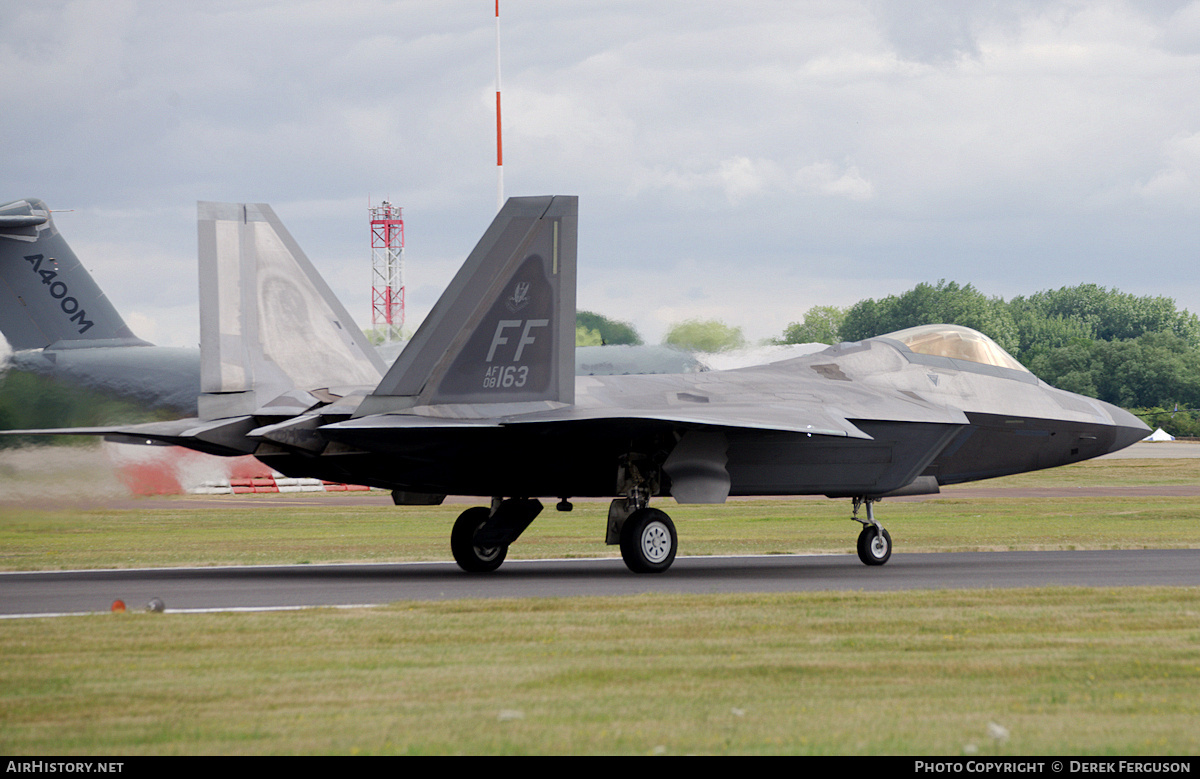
x=648, y=541
x=472, y=558
x=874, y=545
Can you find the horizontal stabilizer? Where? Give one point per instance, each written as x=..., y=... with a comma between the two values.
x=224, y=437
x=9, y=223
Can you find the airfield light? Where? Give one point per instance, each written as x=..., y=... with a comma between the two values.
x=118, y=605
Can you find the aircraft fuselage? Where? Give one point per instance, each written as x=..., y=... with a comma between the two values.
x=913, y=416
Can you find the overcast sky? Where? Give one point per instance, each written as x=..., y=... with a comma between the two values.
x=742, y=161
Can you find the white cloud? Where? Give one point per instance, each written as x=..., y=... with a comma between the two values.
x=740, y=179
x=827, y=178
x=988, y=143
x=1178, y=181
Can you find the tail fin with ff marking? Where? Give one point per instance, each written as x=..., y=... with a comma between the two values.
x=268, y=322
x=47, y=297
x=504, y=330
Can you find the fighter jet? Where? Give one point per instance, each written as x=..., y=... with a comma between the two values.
x=483, y=401
x=60, y=324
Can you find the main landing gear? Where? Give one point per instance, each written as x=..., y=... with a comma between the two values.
x=481, y=535
x=874, y=543
x=648, y=541
x=647, y=536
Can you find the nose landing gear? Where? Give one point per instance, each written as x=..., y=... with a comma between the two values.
x=874, y=542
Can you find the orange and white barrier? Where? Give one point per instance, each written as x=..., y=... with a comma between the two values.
x=171, y=470
x=274, y=483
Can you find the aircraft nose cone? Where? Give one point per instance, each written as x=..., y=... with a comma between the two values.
x=1129, y=429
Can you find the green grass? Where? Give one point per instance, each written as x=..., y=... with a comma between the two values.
x=1059, y=670
x=274, y=530
x=1105, y=472
x=1062, y=671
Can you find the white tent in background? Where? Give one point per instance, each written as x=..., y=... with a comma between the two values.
x=1159, y=435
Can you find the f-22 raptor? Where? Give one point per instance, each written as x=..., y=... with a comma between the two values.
x=484, y=400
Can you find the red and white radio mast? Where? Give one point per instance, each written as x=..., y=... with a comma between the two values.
x=499, y=142
x=387, y=271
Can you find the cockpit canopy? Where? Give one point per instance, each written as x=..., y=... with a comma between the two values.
x=955, y=342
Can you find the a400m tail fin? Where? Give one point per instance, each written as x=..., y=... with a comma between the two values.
x=269, y=324
x=504, y=330
x=47, y=297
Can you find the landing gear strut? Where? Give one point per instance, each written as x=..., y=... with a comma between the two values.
x=874, y=543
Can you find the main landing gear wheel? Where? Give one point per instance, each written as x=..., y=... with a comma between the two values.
x=472, y=558
x=648, y=541
x=874, y=545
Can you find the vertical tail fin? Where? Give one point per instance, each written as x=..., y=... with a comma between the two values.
x=504, y=330
x=268, y=322
x=47, y=297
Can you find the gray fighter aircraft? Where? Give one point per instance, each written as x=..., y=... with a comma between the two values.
x=61, y=325
x=484, y=402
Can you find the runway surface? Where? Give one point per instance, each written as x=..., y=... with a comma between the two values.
x=268, y=587
x=265, y=587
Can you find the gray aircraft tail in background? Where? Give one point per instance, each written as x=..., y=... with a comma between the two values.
x=51, y=300
x=483, y=401
x=61, y=325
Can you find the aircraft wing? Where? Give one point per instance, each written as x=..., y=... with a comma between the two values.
x=226, y=437
x=811, y=421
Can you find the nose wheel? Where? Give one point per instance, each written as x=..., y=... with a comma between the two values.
x=874, y=543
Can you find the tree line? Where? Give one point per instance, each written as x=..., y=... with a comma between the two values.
x=1140, y=353
x=690, y=335
x=32, y=402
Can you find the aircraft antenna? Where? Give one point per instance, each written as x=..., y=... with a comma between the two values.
x=387, y=271
x=499, y=144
